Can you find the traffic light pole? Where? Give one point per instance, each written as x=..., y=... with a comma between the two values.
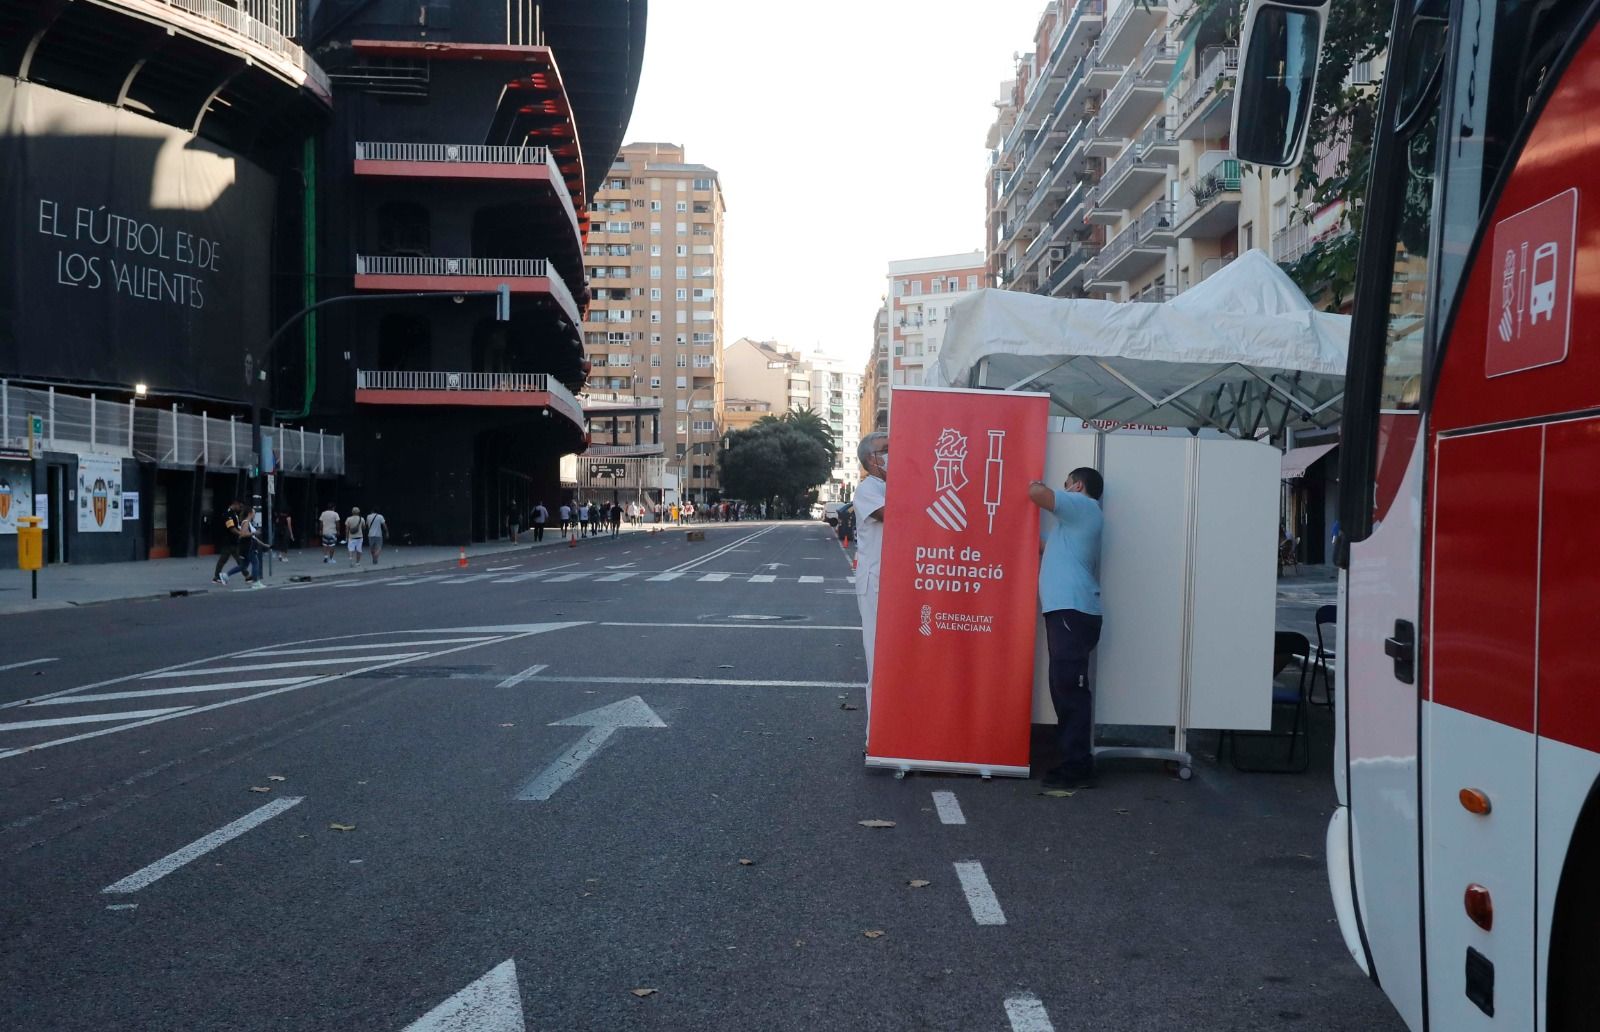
x=502, y=313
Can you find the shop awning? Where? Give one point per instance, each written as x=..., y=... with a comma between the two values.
x=1297, y=460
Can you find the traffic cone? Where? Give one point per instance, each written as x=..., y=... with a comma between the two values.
x=462, y=561
x=572, y=540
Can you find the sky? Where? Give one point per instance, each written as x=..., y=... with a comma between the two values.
x=846, y=135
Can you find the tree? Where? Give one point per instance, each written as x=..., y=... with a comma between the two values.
x=1342, y=113
x=775, y=461
x=809, y=421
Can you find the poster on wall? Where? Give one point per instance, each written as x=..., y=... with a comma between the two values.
x=16, y=495
x=953, y=673
x=99, y=495
x=130, y=503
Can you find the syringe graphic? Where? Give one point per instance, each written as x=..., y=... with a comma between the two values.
x=993, y=472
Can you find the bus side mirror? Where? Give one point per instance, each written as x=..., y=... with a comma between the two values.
x=1277, y=77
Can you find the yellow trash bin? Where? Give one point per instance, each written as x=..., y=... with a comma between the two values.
x=30, y=543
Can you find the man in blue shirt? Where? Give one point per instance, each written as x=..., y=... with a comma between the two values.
x=1069, y=597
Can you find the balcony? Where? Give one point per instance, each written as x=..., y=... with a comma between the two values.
x=1159, y=57
x=1205, y=103
x=462, y=162
x=1103, y=73
x=467, y=390
x=623, y=451
x=1291, y=243
x=1157, y=141
x=1131, y=176
x=1162, y=220
x=1101, y=211
x=1130, y=25
x=264, y=29
x=1139, y=246
x=1130, y=103
x=612, y=401
x=1065, y=272
x=1156, y=293
x=524, y=276
x=1210, y=206
x=1081, y=25
x=1211, y=266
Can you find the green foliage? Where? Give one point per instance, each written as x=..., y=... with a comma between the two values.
x=778, y=459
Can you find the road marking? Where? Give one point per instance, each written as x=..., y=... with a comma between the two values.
x=851, y=578
x=516, y=679
x=691, y=564
x=201, y=846
x=566, y=577
x=747, y=626
x=980, y=897
x=512, y=632
x=618, y=576
x=262, y=653
x=30, y=662
x=602, y=724
x=713, y=578
x=491, y=1004
x=405, y=582
x=281, y=666
x=503, y=569
x=1027, y=1014
x=666, y=576
x=762, y=578
x=810, y=580
x=188, y=689
x=90, y=718
x=468, y=579
x=949, y=809
x=588, y=679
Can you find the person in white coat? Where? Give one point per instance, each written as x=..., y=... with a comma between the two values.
x=868, y=502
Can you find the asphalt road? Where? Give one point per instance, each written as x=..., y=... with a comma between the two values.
x=440, y=846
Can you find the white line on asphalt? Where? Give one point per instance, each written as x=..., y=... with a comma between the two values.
x=666, y=576
x=1027, y=1014
x=29, y=662
x=762, y=578
x=691, y=564
x=512, y=631
x=757, y=626
x=259, y=653
x=468, y=579
x=564, y=679
x=406, y=582
x=851, y=578
x=280, y=666
x=516, y=679
x=714, y=578
x=980, y=897
x=624, y=575
x=491, y=1004
x=502, y=569
x=90, y=718
x=188, y=689
x=810, y=580
x=201, y=846
x=563, y=578
x=949, y=809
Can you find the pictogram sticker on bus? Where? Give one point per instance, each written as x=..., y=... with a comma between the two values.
x=1530, y=314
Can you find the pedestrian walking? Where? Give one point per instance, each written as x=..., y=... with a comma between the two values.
x=354, y=534
x=514, y=521
x=541, y=516
x=283, y=534
x=870, y=499
x=225, y=538
x=1069, y=597
x=616, y=519
x=255, y=547
x=328, y=525
x=566, y=517
x=583, y=519
x=377, y=530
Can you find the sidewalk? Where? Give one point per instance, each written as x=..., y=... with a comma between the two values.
x=62, y=586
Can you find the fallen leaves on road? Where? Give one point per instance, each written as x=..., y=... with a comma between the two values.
x=724, y=666
x=336, y=826
x=1056, y=793
x=746, y=863
x=276, y=777
x=873, y=933
x=642, y=993
x=848, y=706
x=508, y=725
x=1122, y=811
x=919, y=883
x=260, y=788
x=876, y=822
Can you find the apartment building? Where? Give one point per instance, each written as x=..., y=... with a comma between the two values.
x=1111, y=173
x=875, y=378
x=766, y=371
x=836, y=397
x=654, y=326
x=762, y=377
x=921, y=291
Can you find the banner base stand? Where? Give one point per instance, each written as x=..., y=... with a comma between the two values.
x=1132, y=752
x=947, y=767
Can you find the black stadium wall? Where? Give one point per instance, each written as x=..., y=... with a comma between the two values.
x=134, y=252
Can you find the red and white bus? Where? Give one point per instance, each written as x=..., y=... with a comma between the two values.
x=1464, y=856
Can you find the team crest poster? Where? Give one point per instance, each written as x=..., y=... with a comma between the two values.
x=16, y=494
x=957, y=610
x=99, y=494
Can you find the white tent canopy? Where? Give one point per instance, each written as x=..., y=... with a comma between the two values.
x=1243, y=352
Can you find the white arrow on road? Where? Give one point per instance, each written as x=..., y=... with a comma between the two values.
x=491, y=1004
x=624, y=566
x=774, y=566
x=602, y=722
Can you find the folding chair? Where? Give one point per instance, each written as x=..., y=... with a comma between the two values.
x=1287, y=647
x=1327, y=616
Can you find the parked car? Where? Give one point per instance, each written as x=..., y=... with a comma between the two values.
x=830, y=512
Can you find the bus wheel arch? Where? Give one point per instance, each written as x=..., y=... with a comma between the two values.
x=1574, y=964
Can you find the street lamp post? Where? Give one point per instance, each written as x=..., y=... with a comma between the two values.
x=688, y=449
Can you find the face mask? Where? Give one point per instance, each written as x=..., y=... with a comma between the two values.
x=883, y=460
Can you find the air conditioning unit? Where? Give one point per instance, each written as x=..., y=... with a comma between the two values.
x=1058, y=254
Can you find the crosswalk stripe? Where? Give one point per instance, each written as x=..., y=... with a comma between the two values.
x=419, y=580
x=282, y=666
x=520, y=577
x=762, y=578
x=560, y=578
x=624, y=575
x=90, y=718
x=188, y=689
x=665, y=576
x=810, y=580
x=851, y=578
x=468, y=579
x=713, y=578
x=260, y=653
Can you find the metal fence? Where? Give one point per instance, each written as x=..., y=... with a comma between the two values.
x=435, y=380
x=465, y=153
x=270, y=24
x=165, y=436
x=490, y=268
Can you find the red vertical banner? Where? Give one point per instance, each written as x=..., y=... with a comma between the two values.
x=952, y=681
